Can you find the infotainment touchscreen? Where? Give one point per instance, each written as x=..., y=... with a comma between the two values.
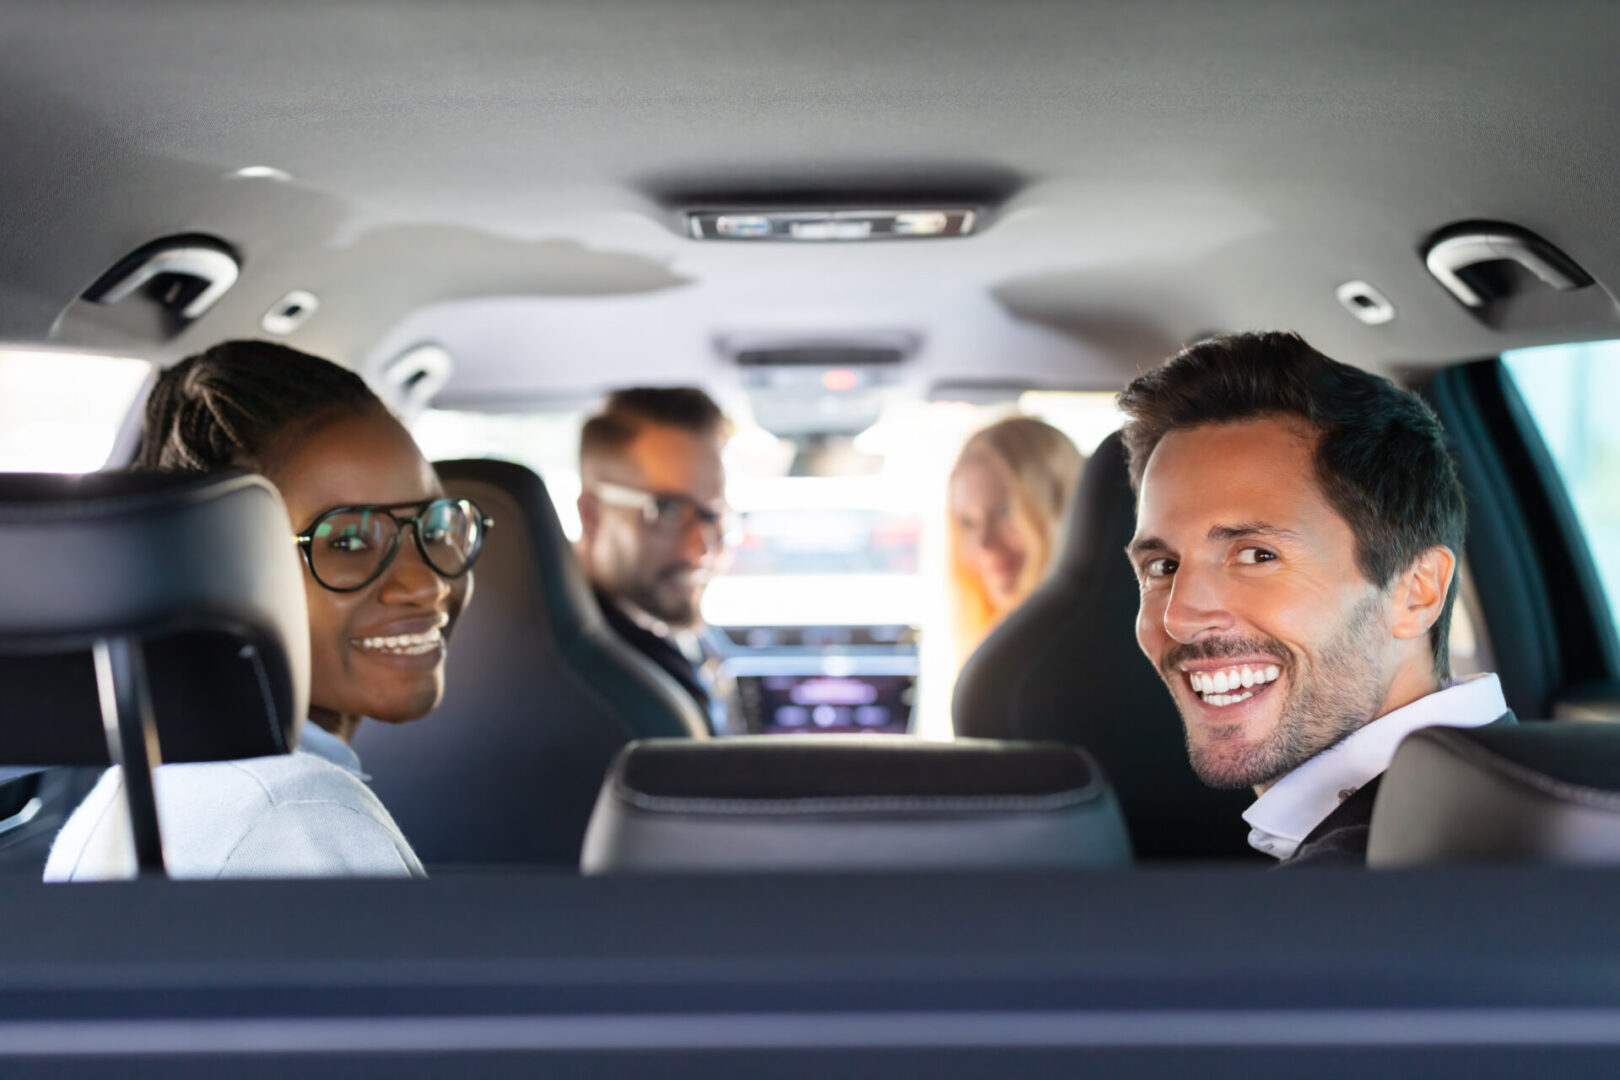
x=806, y=704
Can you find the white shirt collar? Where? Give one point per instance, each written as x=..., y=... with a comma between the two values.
x=316, y=740
x=1294, y=805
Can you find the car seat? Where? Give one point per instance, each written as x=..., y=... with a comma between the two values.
x=1065, y=666
x=539, y=696
x=144, y=617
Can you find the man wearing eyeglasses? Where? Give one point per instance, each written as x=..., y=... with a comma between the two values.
x=654, y=521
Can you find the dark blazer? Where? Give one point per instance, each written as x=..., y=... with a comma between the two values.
x=1341, y=838
x=656, y=649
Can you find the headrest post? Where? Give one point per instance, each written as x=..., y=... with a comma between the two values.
x=132, y=741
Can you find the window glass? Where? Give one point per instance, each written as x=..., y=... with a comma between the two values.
x=1571, y=391
x=545, y=441
x=61, y=412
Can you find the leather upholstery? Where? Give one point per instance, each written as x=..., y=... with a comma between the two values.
x=201, y=569
x=540, y=694
x=1065, y=666
x=1545, y=792
x=856, y=802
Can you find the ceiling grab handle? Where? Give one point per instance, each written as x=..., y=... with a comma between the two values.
x=1464, y=246
x=216, y=268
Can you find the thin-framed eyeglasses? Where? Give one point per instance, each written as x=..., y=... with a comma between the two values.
x=669, y=514
x=349, y=547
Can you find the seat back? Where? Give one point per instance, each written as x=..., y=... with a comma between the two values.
x=144, y=618
x=851, y=802
x=200, y=570
x=540, y=694
x=1539, y=792
x=1065, y=667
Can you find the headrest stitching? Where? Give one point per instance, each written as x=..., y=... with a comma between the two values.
x=860, y=804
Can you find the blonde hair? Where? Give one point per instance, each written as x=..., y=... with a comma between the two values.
x=1040, y=467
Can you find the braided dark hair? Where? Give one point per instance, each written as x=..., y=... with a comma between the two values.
x=241, y=403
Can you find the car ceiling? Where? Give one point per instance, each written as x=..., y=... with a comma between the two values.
x=501, y=177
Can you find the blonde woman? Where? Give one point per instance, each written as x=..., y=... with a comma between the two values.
x=1008, y=493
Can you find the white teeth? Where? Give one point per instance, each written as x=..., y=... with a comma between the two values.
x=1232, y=685
x=404, y=644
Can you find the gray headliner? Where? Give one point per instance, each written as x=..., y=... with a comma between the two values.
x=477, y=173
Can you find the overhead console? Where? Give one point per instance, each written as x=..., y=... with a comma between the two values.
x=865, y=202
x=819, y=387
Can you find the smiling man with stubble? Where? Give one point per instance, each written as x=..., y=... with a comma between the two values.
x=1298, y=527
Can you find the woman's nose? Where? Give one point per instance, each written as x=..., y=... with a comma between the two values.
x=412, y=581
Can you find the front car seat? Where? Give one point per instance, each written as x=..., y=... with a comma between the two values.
x=782, y=803
x=539, y=696
x=143, y=617
x=1065, y=667
x=1539, y=792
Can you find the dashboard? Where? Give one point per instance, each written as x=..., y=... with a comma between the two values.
x=796, y=680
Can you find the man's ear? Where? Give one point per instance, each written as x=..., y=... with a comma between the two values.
x=590, y=514
x=1421, y=590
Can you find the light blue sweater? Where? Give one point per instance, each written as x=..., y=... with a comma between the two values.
x=304, y=814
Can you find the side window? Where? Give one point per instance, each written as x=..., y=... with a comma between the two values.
x=61, y=412
x=1470, y=649
x=1572, y=391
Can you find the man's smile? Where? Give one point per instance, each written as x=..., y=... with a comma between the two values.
x=1232, y=684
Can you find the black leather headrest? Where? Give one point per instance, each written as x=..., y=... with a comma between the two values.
x=829, y=802
x=570, y=607
x=202, y=570
x=1103, y=509
x=1545, y=792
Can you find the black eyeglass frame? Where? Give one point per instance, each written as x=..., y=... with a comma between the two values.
x=414, y=521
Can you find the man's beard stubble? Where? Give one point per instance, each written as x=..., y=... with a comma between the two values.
x=1341, y=695
x=661, y=597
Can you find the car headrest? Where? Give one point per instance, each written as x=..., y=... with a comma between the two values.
x=199, y=570
x=1064, y=666
x=1542, y=792
x=1103, y=509
x=651, y=702
x=852, y=802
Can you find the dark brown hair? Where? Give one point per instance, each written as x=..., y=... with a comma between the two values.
x=1381, y=457
x=626, y=412
x=241, y=404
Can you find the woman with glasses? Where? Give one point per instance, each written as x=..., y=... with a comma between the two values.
x=387, y=560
